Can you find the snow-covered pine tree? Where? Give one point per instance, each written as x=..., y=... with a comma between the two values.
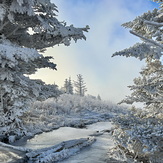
x=148, y=88
x=68, y=88
x=80, y=85
x=139, y=134
x=99, y=97
x=26, y=28
x=47, y=90
x=65, y=87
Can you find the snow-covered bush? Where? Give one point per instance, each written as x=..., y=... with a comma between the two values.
x=66, y=109
x=68, y=103
x=139, y=135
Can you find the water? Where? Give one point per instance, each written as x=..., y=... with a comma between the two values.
x=63, y=134
x=55, y=137
x=96, y=153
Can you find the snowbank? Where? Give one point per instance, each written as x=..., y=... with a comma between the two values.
x=60, y=151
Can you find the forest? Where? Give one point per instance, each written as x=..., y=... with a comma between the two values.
x=30, y=107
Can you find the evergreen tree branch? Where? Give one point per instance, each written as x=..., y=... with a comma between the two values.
x=3, y=25
x=146, y=39
x=153, y=23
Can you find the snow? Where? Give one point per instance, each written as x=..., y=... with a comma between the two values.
x=60, y=151
x=137, y=134
x=12, y=53
x=8, y=155
x=51, y=114
x=19, y=148
x=12, y=138
x=67, y=141
x=68, y=110
x=47, y=115
x=97, y=152
x=2, y=12
x=100, y=126
x=56, y=136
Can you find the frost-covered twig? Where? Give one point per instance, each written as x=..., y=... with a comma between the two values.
x=11, y=33
x=153, y=23
x=146, y=39
x=15, y=147
x=60, y=151
x=3, y=25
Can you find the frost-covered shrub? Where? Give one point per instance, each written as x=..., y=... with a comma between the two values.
x=75, y=103
x=63, y=110
x=140, y=135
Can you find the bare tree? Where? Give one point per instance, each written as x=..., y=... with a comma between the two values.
x=80, y=85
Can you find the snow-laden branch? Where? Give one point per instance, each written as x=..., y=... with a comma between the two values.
x=153, y=23
x=3, y=25
x=146, y=39
x=11, y=33
x=19, y=148
x=60, y=151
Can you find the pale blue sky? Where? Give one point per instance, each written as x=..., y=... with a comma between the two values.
x=103, y=74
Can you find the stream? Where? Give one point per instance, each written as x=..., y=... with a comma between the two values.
x=96, y=153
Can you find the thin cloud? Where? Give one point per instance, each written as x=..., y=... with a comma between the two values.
x=104, y=75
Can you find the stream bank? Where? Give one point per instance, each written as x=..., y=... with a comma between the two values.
x=96, y=152
x=71, y=145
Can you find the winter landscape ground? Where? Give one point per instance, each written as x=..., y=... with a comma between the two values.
x=41, y=122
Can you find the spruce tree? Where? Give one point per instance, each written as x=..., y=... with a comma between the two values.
x=68, y=88
x=80, y=85
x=27, y=27
x=148, y=88
x=65, y=87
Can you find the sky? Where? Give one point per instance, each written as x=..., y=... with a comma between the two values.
x=104, y=75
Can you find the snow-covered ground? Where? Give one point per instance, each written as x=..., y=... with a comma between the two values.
x=8, y=154
x=62, y=128
x=54, y=137
x=64, y=134
x=97, y=152
x=68, y=110
x=65, y=142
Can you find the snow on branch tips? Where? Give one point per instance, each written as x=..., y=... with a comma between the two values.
x=139, y=135
x=140, y=51
x=153, y=23
x=146, y=39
